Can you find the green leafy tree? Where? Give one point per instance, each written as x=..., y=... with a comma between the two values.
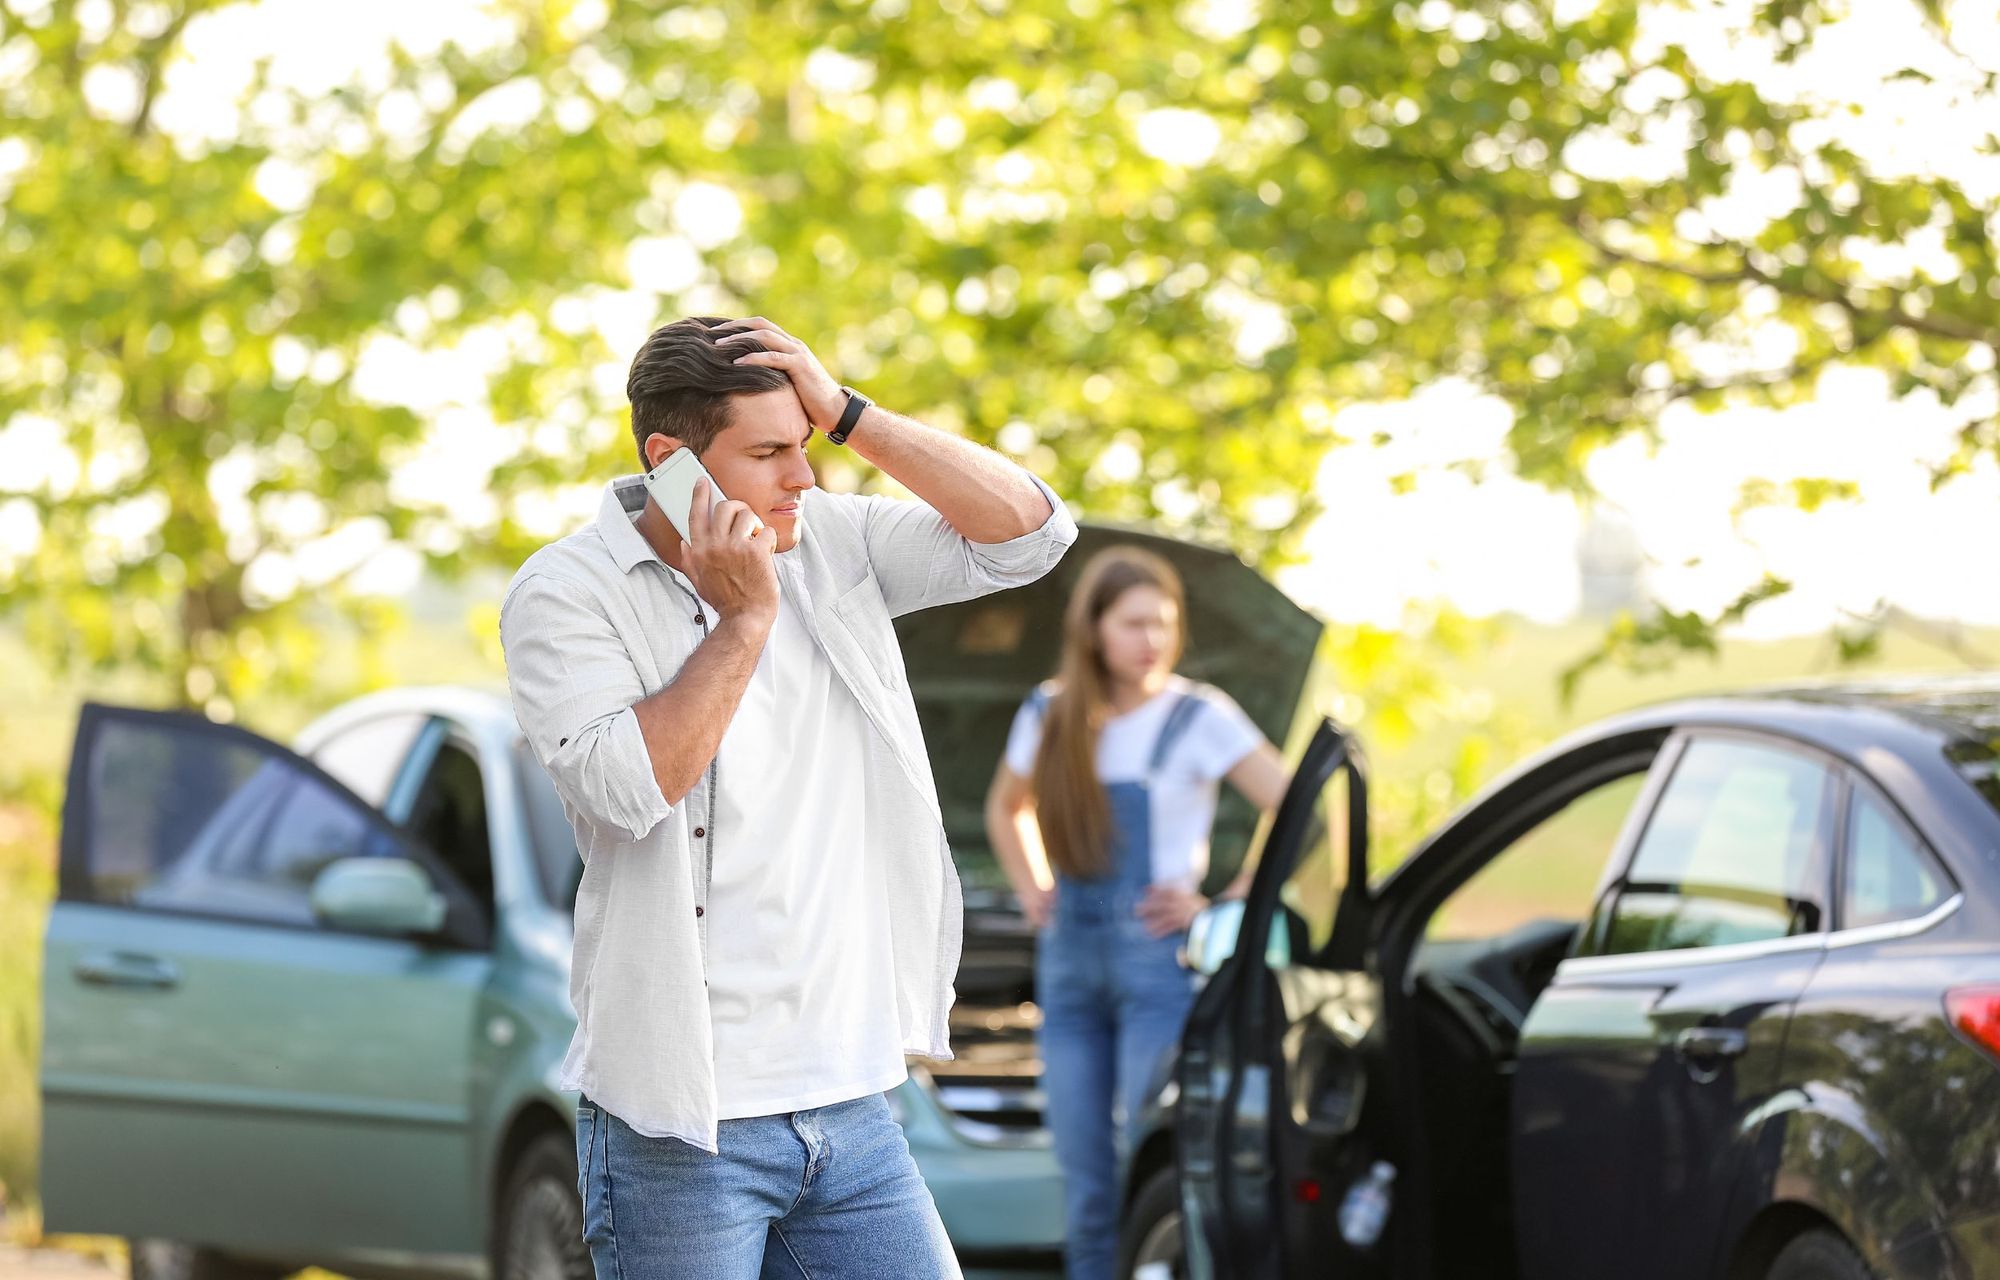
x=1153, y=252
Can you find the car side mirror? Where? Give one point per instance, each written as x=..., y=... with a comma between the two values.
x=377, y=895
x=1212, y=936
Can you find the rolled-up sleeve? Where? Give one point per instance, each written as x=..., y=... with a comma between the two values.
x=921, y=561
x=574, y=686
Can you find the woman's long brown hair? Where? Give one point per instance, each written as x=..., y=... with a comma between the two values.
x=1070, y=803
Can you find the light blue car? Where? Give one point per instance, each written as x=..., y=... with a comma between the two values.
x=307, y=1009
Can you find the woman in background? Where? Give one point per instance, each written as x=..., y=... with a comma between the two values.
x=1100, y=814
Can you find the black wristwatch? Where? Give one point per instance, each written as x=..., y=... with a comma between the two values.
x=856, y=402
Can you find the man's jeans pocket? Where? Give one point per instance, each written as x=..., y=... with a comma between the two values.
x=586, y=1146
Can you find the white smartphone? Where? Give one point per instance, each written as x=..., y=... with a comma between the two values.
x=672, y=486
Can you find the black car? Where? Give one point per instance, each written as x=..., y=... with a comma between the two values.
x=1764, y=1041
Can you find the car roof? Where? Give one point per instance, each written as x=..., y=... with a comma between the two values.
x=1912, y=714
x=1921, y=722
x=1926, y=721
x=1965, y=705
x=485, y=710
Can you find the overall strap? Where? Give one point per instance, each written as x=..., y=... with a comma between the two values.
x=1185, y=708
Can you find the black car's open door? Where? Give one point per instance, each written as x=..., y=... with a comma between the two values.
x=1274, y=1077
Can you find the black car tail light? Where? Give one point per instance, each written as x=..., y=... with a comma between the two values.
x=1975, y=1011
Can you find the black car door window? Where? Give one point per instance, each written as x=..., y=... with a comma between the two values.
x=1310, y=896
x=1734, y=852
x=1888, y=876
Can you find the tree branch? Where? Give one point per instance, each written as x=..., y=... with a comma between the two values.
x=1949, y=636
x=1765, y=379
x=154, y=57
x=1949, y=327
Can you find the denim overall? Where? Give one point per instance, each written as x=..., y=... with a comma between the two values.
x=1113, y=1001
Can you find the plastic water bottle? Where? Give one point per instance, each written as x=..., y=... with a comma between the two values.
x=1365, y=1211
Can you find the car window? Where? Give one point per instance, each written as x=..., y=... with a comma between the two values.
x=1889, y=876
x=1311, y=893
x=1735, y=851
x=367, y=756
x=557, y=863
x=449, y=818
x=180, y=819
x=312, y=827
x=1551, y=873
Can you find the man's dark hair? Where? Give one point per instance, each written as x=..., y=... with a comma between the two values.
x=681, y=383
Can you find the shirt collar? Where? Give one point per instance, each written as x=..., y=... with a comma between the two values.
x=624, y=498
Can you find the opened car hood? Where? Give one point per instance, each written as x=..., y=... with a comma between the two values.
x=971, y=664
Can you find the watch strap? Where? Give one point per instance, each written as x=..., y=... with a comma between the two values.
x=856, y=402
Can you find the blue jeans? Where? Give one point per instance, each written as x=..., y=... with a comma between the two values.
x=830, y=1192
x=1113, y=1003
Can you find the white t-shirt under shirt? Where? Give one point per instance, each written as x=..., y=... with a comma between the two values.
x=801, y=982
x=1184, y=791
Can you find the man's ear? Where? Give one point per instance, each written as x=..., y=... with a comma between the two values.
x=657, y=448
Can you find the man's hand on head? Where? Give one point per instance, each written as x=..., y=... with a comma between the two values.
x=765, y=343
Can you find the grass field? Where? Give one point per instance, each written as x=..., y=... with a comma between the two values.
x=1510, y=684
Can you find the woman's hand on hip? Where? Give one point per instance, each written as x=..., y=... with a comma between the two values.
x=1037, y=904
x=1168, y=909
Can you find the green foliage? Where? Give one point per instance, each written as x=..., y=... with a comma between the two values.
x=1644, y=646
x=27, y=883
x=1807, y=493
x=976, y=209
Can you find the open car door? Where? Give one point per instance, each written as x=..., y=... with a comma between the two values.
x=1274, y=1133
x=231, y=1056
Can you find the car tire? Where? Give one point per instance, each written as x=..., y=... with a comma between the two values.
x=154, y=1259
x=1150, y=1246
x=1819, y=1255
x=538, y=1224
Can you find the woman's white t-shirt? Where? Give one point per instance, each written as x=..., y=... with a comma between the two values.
x=1184, y=790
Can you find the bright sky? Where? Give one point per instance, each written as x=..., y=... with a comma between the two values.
x=1486, y=547
x=1503, y=545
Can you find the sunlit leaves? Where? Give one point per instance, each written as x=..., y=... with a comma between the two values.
x=1151, y=253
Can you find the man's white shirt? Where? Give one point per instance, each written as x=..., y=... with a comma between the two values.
x=594, y=623
x=801, y=982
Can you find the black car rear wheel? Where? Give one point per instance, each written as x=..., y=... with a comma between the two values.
x=1819, y=1255
x=153, y=1259
x=1151, y=1246
x=539, y=1228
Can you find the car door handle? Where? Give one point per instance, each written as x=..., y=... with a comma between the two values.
x=126, y=969
x=1710, y=1043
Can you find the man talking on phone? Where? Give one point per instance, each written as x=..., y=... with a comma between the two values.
x=769, y=920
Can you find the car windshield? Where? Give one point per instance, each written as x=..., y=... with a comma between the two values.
x=556, y=858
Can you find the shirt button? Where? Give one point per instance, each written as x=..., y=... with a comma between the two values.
x=700, y=621
x=699, y=832
x=698, y=911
